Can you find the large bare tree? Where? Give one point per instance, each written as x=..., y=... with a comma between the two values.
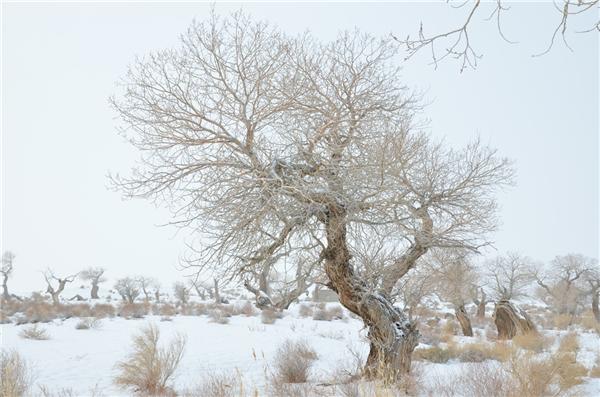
x=6, y=269
x=267, y=145
x=61, y=283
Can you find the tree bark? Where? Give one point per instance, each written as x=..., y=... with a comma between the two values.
x=595, y=309
x=392, y=336
x=94, y=292
x=511, y=321
x=481, y=306
x=463, y=319
x=5, y=293
x=216, y=294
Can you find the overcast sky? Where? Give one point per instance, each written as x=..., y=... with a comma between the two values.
x=60, y=64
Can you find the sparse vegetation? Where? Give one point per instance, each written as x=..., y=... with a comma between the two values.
x=34, y=332
x=149, y=369
x=15, y=375
x=292, y=362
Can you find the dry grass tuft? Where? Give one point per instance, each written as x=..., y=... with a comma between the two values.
x=34, y=332
x=569, y=343
x=88, y=323
x=269, y=316
x=293, y=361
x=247, y=309
x=15, y=376
x=218, y=385
x=561, y=321
x=218, y=316
x=102, y=310
x=305, y=310
x=532, y=341
x=133, y=310
x=148, y=369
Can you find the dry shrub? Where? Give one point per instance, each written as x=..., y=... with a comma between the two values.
x=166, y=309
x=561, y=321
x=433, y=354
x=218, y=316
x=325, y=314
x=532, y=341
x=305, y=310
x=133, y=310
x=40, y=312
x=149, y=368
x=34, y=332
x=569, y=343
x=477, y=379
x=102, y=310
x=88, y=323
x=76, y=310
x=247, y=309
x=539, y=376
x=293, y=361
x=595, y=371
x=218, y=385
x=15, y=376
x=269, y=316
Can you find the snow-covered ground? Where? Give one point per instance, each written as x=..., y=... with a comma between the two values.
x=84, y=360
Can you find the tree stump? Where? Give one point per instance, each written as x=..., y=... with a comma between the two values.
x=511, y=321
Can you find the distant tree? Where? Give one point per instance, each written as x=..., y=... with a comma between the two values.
x=509, y=278
x=8, y=259
x=454, y=276
x=96, y=276
x=55, y=292
x=565, y=281
x=147, y=285
x=509, y=275
x=181, y=292
x=128, y=288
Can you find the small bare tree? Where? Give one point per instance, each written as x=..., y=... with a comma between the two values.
x=510, y=276
x=8, y=259
x=268, y=145
x=455, y=276
x=181, y=292
x=55, y=292
x=95, y=275
x=565, y=281
x=128, y=288
x=147, y=285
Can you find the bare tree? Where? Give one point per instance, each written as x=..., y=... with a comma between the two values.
x=128, y=288
x=454, y=276
x=509, y=275
x=146, y=284
x=55, y=292
x=8, y=259
x=456, y=43
x=267, y=145
x=564, y=281
x=181, y=292
x=96, y=276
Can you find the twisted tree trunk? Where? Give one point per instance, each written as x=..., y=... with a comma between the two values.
x=94, y=292
x=392, y=336
x=5, y=293
x=481, y=306
x=463, y=319
x=511, y=321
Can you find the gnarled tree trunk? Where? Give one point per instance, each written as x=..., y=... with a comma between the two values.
x=94, y=292
x=511, y=321
x=463, y=319
x=5, y=293
x=392, y=336
x=481, y=306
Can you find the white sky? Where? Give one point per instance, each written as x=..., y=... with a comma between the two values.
x=60, y=63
